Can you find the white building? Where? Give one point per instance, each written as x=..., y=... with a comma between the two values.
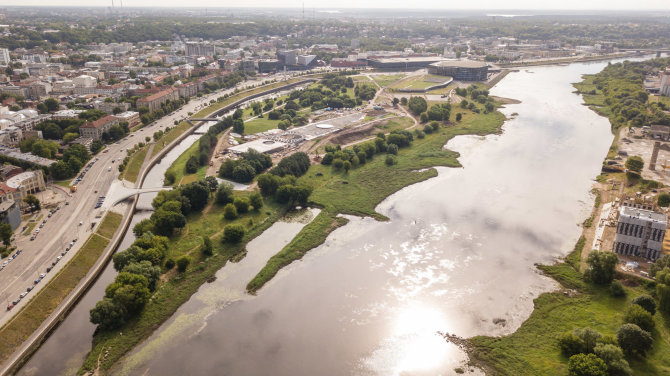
x=4, y=56
x=26, y=183
x=640, y=232
x=85, y=81
x=665, y=82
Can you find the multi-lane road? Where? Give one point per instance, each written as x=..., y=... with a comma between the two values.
x=64, y=225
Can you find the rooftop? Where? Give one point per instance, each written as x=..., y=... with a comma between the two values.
x=460, y=64
x=260, y=145
x=17, y=180
x=413, y=59
x=100, y=122
x=158, y=95
x=644, y=214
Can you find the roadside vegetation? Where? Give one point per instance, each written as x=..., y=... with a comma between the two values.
x=44, y=302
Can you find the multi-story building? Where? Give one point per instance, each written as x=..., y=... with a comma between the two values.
x=640, y=232
x=95, y=129
x=188, y=90
x=130, y=117
x=665, y=82
x=109, y=107
x=85, y=81
x=10, y=213
x=199, y=49
x=4, y=56
x=153, y=102
x=26, y=183
x=287, y=57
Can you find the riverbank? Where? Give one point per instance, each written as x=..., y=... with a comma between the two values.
x=359, y=191
x=533, y=348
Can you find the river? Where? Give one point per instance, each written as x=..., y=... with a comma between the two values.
x=457, y=256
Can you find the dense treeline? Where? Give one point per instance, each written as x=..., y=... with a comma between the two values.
x=244, y=169
x=625, y=97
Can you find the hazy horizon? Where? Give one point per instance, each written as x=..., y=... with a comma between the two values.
x=492, y=5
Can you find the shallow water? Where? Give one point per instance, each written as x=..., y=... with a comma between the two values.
x=457, y=255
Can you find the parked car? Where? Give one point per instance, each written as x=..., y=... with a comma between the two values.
x=23, y=295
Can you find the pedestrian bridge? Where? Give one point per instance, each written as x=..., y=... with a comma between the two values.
x=121, y=193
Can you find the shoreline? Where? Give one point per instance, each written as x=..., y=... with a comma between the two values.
x=318, y=230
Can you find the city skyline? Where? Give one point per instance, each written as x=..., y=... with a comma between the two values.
x=589, y=5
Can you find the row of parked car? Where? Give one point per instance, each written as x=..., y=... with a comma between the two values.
x=10, y=258
x=41, y=276
x=44, y=222
x=83, y=173
x=101, y=199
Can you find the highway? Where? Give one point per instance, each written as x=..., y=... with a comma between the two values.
x=63, y=226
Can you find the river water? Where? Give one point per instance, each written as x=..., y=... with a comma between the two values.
x=457, y=256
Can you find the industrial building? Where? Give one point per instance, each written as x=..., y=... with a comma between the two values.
x=639, y=232
x=460, y=70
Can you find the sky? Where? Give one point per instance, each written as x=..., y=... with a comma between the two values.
x=403, y=4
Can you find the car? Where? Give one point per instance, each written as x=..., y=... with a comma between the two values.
x=16, y=301
x=74, y=240
x=105, y=151
x=96, y=191
x=67, y=202
x=53, y=263
x=29, y=288
x=67, y=248
x=23, y=295
x=49, y=216
x=44, y=221
x=10, y=306
x=41, y=225
x=43, y=275
x=71, y=243
x=32, y=237
x=5, y=263
x=48, y=269
x=62, y=253
x=37, y=280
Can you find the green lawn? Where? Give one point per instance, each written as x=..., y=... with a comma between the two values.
x=395, y=124
x=385, y=80
x=533, y=348
x=42, y=304
x=260, y=125
x=419, y=82
x=178, y=167
x=132, y=170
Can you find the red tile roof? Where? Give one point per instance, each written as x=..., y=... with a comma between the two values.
x=100, y=122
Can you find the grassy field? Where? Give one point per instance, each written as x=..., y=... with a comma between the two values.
x=33, y=313
x=395, y=123
x=533, y=348
x=260, y=125
x=175, y=289
x=419, y=82
x=359, y=191
x=63, y=183
x=385, y=80
x=178, y=167
x=132, y=170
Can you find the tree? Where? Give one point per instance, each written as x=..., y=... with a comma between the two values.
x=395, y=102
x=612, y=355
x=238, y=126
x=646, y=302
x=192, y=165
x=617, y=290
x=108, y=314
x=42, y=108
x=268, y=184
x=663, y=200
x=663, y=289
x=637, y=315
x=590, y=338
x=147, y=269
x=256, y=200
x=635, y=164
x=197, y=194
x=142, y=227
x=633, y=340
x=33, y=202
x=207, y=248
x=230, y=212
x=390, y=160
x=601, y=267
x=212, y=183
x=130, y=290
x=96, y=146
x=233, y=233
x=52, y=104
x=392, y=149
x=224, y=193
x=459, y=116
x=182, y=263
x=346, y=165
x=571, y=344
x=169, y=177
x=417, y=105
x=165, y=221
x=6, y=233
x=241, y=204
x=586, y=365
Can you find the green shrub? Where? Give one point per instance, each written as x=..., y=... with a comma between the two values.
x=229, y=212
x=182, y=263
x=233, y=233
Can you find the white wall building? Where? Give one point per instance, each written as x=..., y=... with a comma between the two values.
x=4, y=56
x=640, y=232
x=85, y=81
